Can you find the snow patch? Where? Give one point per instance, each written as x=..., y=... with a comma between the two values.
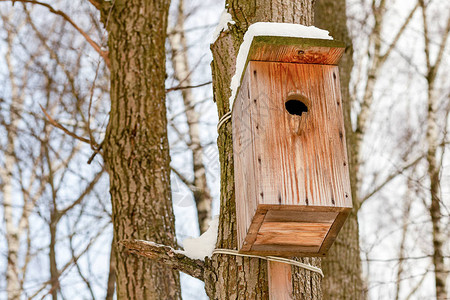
x=204, y=245
x=225, y=19
x=270, y=29
x=150, y=243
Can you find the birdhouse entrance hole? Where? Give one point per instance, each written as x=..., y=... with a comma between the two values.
x=296, y=107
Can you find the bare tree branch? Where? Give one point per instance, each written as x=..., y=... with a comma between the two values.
x=437, y=63
x=71, y=262
x=425, y=34
x=399, y=34
x=86, y=191
x=390, y=178
x=58, y=125
x=419, y=283
x=169, y=256
x=183, y=87
x=187, y=182
x=58, y=12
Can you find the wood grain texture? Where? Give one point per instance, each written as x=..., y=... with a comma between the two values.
x=333, y=232
x=295, y=50
x=294, y=163
x=293, y=215
x=285, y=250
x=280, y=284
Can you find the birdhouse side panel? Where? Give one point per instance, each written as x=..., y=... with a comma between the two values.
x=245, y=169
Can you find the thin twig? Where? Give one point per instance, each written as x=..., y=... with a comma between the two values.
x=91, y=137
x=441, y=52
x=58, y=125
x=183, y=87
x=399, y=33
x=58, y=12
x=96, y=151
x=390, y=178
x=187, y=182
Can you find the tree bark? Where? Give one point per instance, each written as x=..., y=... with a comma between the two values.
x=12, y=232
x=54, y=274
x=434, y=165
x=136, y=150
x=229, y=277
x=342, y=266
x=434, y=170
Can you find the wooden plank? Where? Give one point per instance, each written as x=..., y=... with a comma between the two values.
x=250, y=238
x=296, y=50
x=289, y=240
x=333, y=232
x=278, y=238
x=284, y=250
x=280, y=281
x=300, y=216
x=245, y=170
x=302, y=208
x=287, y=227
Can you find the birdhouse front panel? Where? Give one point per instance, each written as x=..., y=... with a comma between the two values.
x=291, y=175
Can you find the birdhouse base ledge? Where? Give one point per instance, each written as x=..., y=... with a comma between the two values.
x=292, y=230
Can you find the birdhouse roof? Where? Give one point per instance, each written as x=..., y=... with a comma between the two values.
x=289, y=43
x=295, y=50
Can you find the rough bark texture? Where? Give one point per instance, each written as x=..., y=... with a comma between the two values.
x=342, y=266
x=182, y=74
x=235, y=277
x=136, y=148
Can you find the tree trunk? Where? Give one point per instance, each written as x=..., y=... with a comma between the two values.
x=434, y=169
x=342, y=266
x=12, y=232
x=136, y=150
x=230, y=277
x=433, y=144
x=54, y=274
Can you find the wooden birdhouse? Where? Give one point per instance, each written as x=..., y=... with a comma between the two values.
x=291, y=170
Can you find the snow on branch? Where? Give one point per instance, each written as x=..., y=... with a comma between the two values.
x=204, y=245
x=171, y=257
x=190, y=261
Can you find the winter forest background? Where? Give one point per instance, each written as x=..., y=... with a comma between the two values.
x=55, y=207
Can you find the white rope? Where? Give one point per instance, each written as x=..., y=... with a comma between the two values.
x=222, y=120
x=271, y=258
